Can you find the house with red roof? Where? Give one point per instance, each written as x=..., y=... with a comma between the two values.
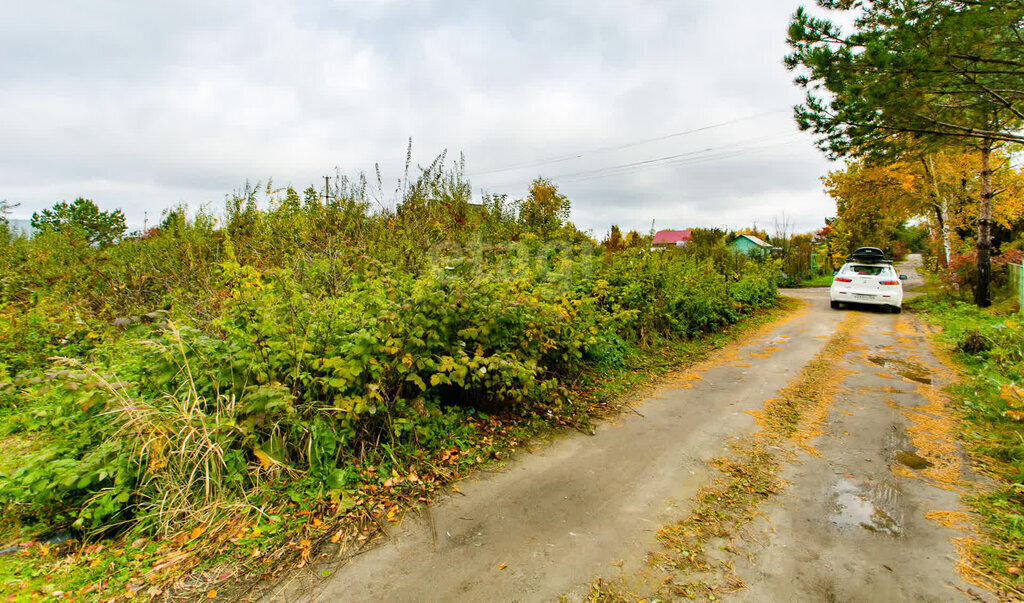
x=678, y=238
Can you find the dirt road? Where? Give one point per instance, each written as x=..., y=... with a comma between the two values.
x=850, y=526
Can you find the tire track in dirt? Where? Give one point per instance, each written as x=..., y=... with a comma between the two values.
x=876, y=515
x=695, y=560
x=850, y=492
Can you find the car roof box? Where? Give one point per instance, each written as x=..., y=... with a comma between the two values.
x=869, y=255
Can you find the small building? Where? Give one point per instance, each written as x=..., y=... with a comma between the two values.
x=750, y=245
x=677, y=238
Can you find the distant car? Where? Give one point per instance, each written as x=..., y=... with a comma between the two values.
x=868, y=281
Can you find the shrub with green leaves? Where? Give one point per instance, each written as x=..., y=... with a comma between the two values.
x=174, y=374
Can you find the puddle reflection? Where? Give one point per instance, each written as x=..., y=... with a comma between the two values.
x=873, y=507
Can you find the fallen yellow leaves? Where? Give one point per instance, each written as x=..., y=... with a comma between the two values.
x=932, y=431
x=949, y=519
x=802, y=407
x=1014, y=415
x=266, y=461
x=1014, y=398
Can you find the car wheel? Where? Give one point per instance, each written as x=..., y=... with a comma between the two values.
x=896, y=309
x=835, y=305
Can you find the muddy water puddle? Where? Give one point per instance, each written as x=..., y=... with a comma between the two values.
x=902, y=450
x=873, y=506
x=904, y=368
x=912, y=459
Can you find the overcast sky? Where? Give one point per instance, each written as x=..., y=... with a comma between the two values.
x=677, y=111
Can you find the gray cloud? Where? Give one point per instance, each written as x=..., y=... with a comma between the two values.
x=146, y=105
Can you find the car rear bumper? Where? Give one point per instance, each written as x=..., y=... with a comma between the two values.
x=878, y=299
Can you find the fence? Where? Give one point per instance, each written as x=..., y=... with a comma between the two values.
x=1017, y=284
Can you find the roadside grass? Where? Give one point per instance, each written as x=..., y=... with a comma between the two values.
x=14, y=446
x=689, y=564
x=988, y=346
x=298, y=522
x=822, y=280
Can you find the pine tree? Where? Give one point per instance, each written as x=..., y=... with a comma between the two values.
x=944, y=71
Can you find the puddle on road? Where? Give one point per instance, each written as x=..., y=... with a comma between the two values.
x=873, y=506
x=913, y=460
x=903, y=451
x=888, y=389
x=904, y=368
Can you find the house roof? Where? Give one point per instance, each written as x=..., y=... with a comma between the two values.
x=754, y=240
x=671, y=237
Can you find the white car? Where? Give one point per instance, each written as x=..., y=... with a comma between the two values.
x=868, y=283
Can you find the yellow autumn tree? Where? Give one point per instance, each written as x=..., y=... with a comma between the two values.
x=949, y=188
x=939, y=187
x=614, y=241
x=873, y=201
x=544, y=210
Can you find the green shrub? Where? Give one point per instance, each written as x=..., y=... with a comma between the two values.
x=306, y=337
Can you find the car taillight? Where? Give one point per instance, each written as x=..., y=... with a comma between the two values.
x=889, y=282
x=843, y=279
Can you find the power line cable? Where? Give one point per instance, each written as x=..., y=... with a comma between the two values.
x=580, y=154
x=677, y=159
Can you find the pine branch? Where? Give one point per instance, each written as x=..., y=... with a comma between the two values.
x=965, y=130
x=999, y=98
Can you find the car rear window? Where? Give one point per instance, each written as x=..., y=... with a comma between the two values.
x=868, y=270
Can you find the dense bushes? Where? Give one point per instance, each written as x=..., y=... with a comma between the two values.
x=306, y=337
x=962, y=272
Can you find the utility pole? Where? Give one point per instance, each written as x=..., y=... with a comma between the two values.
x=327, y=188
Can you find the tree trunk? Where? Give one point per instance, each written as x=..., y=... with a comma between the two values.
x=941, y=206
x=982, y=288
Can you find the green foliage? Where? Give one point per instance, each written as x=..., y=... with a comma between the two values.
x=910, y=239
x=990, y=397
x=170, y=375
x=938, y=69
x=82, y=218
x=708, y=238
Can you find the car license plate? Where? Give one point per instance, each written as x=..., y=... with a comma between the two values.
x=859, y=296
